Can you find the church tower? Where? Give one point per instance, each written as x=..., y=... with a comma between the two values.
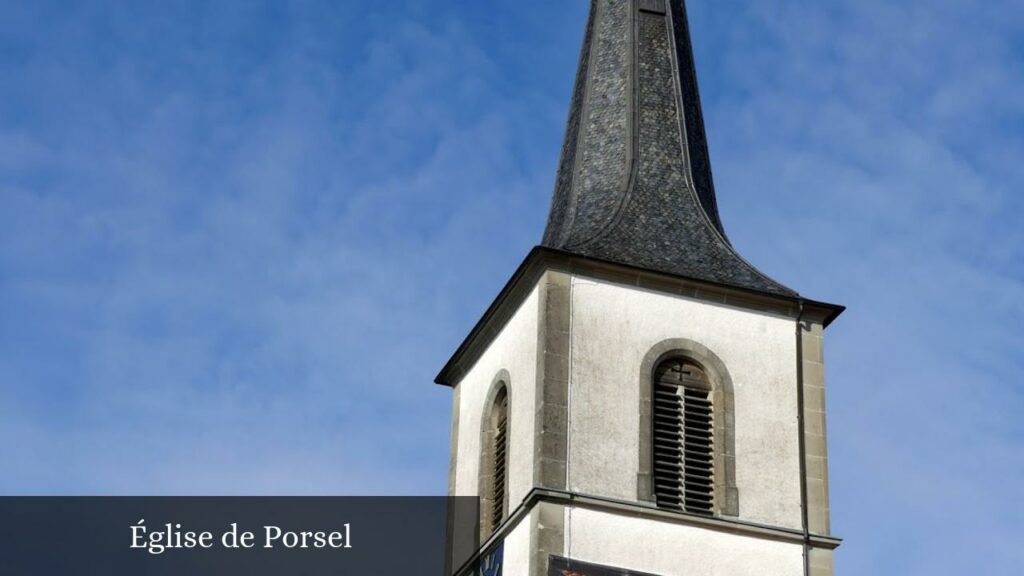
x=639, y=399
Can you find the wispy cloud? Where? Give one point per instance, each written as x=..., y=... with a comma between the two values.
x=234, y=267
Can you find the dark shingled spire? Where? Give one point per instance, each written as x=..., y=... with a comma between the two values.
x=634, y=183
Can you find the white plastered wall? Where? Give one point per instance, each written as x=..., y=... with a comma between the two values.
x=513, y=350
x=666, y=549
x=516, y=558
x=614, y=327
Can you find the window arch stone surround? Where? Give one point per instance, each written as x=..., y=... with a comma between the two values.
x=502, y=383
x=723, y=399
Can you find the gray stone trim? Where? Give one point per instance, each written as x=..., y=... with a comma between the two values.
x=821, y=562
x=485, y=476
x=723, y=399
x=552, y=401
x=647, y=511
x=561, y=499
x=547, y=536
x=453, y=455
x=542, y=259
x=815, y=432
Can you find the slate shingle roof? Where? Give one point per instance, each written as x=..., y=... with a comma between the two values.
x=634, y=183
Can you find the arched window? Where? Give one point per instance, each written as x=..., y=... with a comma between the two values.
x=688, y=389
x=494, y=464
x=683, y=437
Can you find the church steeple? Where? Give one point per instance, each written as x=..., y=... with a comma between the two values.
x=634, y=184
x=639, y=399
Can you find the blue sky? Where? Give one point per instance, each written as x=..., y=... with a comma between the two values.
x=238, y=239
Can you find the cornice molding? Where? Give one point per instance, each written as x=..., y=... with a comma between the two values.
x=542, y=259
x=650, y=512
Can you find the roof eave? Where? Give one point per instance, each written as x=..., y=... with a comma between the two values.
x=451, y=373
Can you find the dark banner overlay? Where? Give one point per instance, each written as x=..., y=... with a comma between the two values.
x=339, y=536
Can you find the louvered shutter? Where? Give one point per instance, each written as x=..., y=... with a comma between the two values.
x=500, y=462
x=684, y=471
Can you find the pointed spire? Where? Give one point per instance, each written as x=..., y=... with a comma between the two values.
x=634, y=183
